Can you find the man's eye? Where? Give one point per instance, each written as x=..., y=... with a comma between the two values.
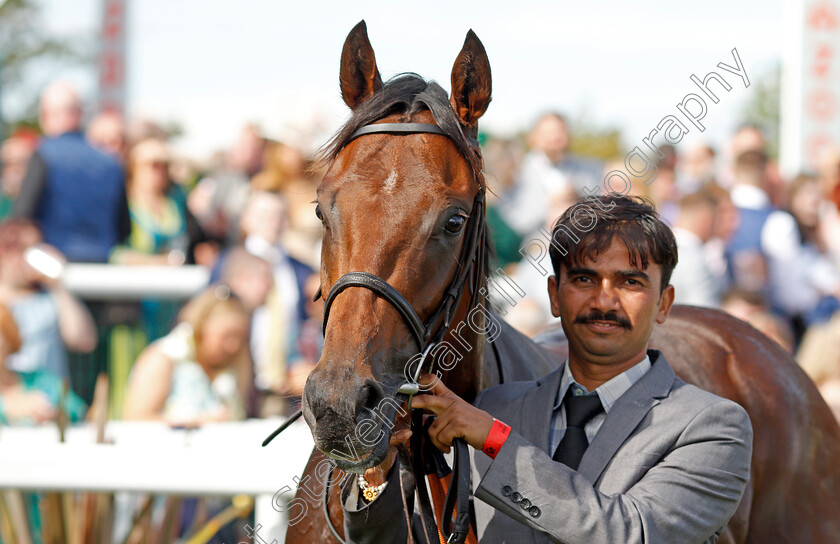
x=581, y=279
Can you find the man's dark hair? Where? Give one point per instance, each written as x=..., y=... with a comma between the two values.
x=589, y=227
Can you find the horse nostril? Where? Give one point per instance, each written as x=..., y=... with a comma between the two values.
x=369, y=396
x=312, y=400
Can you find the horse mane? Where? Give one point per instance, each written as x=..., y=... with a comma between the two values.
x=408, y=93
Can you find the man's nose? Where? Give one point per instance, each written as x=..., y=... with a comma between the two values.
x=606, y=297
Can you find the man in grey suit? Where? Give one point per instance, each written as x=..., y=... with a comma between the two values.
x=611, y=447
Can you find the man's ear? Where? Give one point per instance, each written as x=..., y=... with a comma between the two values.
x=666, y=300
x=554, y=295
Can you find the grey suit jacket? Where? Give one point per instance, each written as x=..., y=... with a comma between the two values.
x=668, y=465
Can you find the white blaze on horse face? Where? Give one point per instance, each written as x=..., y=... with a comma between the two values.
x=391, y=180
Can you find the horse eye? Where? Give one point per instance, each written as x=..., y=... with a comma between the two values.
x=318, y=213
x=455, y=224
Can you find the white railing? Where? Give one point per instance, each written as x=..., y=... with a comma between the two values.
x=118, y=282
x=147, y=457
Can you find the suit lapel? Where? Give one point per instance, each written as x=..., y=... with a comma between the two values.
x=626, y=414
x=536, y=422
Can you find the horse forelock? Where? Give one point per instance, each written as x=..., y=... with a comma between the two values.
x=408, y=94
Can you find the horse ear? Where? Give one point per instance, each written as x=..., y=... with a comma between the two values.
x=359, y=75
x=471, y=82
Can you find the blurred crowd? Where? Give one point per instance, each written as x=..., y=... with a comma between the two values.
x=117, y=193
x=751, y=242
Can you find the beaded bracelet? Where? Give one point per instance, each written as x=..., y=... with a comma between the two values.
x=370, y=492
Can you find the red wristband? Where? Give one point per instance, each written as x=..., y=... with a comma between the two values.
x=496, y=438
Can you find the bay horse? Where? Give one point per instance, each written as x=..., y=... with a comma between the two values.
x=398, y=206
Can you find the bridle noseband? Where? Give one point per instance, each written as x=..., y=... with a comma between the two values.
x=426, y=334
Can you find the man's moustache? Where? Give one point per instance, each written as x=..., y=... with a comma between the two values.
x=608, y=317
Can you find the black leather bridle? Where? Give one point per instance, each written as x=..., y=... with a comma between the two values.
x=426, y=334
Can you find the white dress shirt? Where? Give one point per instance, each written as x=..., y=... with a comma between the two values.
x=609, y=392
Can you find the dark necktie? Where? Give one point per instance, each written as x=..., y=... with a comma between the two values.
x=579, y=410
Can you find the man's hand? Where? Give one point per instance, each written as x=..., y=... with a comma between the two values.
x=456, y=418
x=379, y=474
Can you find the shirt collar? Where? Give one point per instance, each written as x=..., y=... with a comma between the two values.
x=686, y=237
x=261, y=248
x=749, y=196
x=610, y=391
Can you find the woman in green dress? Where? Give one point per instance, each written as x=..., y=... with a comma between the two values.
x=163, y=232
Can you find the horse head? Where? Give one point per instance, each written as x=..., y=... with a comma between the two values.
x=400, y=207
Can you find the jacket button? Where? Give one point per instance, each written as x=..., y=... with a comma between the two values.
x=516, y=497
x=534, y=511
x=525, y=504
x=507, y=490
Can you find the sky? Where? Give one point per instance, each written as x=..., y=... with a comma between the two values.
x=213, y=65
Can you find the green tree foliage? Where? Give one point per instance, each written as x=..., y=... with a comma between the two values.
x=597, y=142
x=23, y=42
x=763, y=108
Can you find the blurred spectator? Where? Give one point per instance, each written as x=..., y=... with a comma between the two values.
x=663, y=190
x=74, y=192
x=535, y=307
x=285, y=171
x=311, y=339
x=756, y=238
x=283, y=356
x=280, y=367
x=49, y=318
x=726, y=220
x=819, y=356
x=14, y=155
x=283, y=166
x=546, y=170
x=752, y=307
x=773, y=252
x=694, y=281
x=696, y=169
x=264, y=220
x=140, y=128
x=813, y=271
x=828, y=167
x=750, y=138
x=218, y=199
x=30, y=397
x=248, y=276
x=106, y=132
x=746, y=138
x=199, y=372
x=163, y=232
x=501, y=162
